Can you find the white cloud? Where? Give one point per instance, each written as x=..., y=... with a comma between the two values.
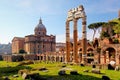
x=60, y=38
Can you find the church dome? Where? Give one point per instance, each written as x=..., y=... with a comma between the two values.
x=40, y=29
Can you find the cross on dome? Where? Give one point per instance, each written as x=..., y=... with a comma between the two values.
x=40, y=21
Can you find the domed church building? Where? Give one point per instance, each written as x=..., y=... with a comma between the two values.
x=37, y=43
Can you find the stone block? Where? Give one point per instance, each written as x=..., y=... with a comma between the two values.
x=62, y=72
x=117, y=68
x=96, y=71
x=23, y=71
x=32, y=76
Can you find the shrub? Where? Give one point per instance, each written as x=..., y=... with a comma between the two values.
x=116, y=41
x=73, y=72
x=11, y=69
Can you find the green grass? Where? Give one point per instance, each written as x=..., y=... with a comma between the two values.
x=52, y=73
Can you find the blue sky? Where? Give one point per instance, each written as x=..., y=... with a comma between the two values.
x=20, y=17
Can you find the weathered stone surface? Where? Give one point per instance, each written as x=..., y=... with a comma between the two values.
x=12, y=58
x=33, y=76
x=117, y=68
x=25, y=76
x=23, y=71
x=26, y=63
x=30, y=57
x=96, y=71
x=62, y=72
x=15, y=76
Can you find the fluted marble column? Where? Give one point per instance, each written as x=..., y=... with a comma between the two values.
x=84, y=41
x=67, y=59
x=75, y=46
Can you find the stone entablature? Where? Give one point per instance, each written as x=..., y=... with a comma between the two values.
x=74, y=15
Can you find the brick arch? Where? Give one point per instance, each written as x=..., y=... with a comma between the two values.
x=80, y=48
x=106, y=47
x=109, y=53
x=90, y=48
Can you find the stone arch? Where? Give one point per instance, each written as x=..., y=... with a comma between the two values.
x=109, y=54
x=90, y=49
x=105, y=47
x=110, y=51
x=90, y=55
x=80, y=54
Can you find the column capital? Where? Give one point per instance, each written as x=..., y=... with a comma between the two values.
x=75, y=20
x=67, y=21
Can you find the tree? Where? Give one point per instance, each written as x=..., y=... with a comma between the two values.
x=21, y=51
x=104, y=35
x=110, y=25
x=95, y=26
x=117, y=28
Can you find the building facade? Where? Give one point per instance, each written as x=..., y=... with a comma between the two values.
x=37, y=43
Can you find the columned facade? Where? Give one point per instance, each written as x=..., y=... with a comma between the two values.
x=74, y=15
x=67, y=59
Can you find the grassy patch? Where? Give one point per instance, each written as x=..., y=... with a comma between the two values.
x=52, y=71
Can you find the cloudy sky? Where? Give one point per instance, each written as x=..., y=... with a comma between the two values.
x=20, y=17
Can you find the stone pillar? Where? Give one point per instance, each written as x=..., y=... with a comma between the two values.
x=84, y=41
x=75, y=46
x=102, y=59
x=67, y=59
x=117, y=57
x=107, y=57
x=55, y=58
x=46, y=57
x=39, y=57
